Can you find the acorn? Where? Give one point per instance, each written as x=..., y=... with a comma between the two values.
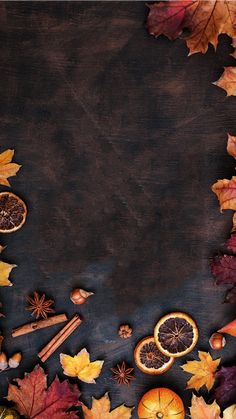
x=80, y=296
x=15, y=360
x=217, y=341
x=3, y=361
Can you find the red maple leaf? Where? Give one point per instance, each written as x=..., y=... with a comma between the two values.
x=224, y=269
x=34, y=400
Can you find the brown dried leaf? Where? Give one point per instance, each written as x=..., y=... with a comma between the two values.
x=226, y=192
x=205, y=20
x=231, y=145
x=200, y=409
x=228, y=81
x=7, y=169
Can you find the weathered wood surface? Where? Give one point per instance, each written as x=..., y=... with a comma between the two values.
x=120, y=136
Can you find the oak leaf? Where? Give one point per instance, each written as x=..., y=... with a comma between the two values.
x=7, y=168
x=101, y=410
x=205, y=21
x=34, y=400
x=5, y=270
x=203, y=371
x=229, y=328
x=223, y=268
x=81, y=367
x=225, y=191
x=231, y=145
x=228, y=81
x=200, y=409
x=225, y=389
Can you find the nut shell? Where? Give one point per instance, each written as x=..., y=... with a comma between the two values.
x=217, y=341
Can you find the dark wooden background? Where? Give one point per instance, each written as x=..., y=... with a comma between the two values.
x=120, y=136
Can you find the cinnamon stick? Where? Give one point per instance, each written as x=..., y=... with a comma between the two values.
x=60, y=337
x=40, y=324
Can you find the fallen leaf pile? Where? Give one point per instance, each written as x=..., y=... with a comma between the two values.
x=80, y=366
x=199, y=23
x=33, y=399
x=201, y=410
x=203, y=371
x=101, y=410
x=223, y=266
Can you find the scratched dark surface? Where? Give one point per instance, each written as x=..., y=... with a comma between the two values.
x=120, y=137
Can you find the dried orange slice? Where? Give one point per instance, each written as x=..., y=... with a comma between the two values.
x=176, y=334
x=13, y=212
x=149, y=359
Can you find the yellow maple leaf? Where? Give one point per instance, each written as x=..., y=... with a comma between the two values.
x=203, y=371
x=201, y=410
x=101, y=410
x=81, y=367
x=7, y=169
x=228, y=81
x=5, y=270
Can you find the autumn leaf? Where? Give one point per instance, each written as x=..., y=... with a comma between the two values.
x=228, y=81
x=5, y=270
x=200, y=409
x=223, y=268
x=231, y=145
x=101, y=410
x=34, y=400
x=225, y=389
x=205, y=21
x=230, y=412
x=229, y=328
x=7, y=169
x=225, y=191
x=81, y=367
x=203, y=371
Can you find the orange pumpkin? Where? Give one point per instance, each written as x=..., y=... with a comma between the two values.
x=161, y=403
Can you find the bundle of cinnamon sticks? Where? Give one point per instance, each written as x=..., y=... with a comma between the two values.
x=60, y=337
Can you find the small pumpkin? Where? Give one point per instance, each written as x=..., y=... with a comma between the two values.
x=8, y=413
x=161, y=403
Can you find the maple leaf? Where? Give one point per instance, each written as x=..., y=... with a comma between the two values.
x=205, y=20
x=228, y=81
x=200, y=409
x=7, y=169
x=225, y=191
x=223, y=268
x=230, y=412
x=231, y=145
x=34, y=400
x=5, y=270
x=203, y=371
x=101, y=410
x=229, y=328
x=230, y=296
x=225, y=389
x=81, y=367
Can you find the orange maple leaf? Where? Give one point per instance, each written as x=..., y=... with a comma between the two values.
x=205, y=20
x=225, y=191
x=200, y=409
x=203, y=371
x=7, y=169
x=228, y=81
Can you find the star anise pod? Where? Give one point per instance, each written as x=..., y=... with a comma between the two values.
x=125, y=331
x=122, y=374
x=39, y=305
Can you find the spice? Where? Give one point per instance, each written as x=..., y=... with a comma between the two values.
x=122, y=374
x=217, y=341
x=39, y=305
x=37, y=325
x=79, y=296
x=125, y=331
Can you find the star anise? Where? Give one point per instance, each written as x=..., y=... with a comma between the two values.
x=39, y=305
x=122, y=374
